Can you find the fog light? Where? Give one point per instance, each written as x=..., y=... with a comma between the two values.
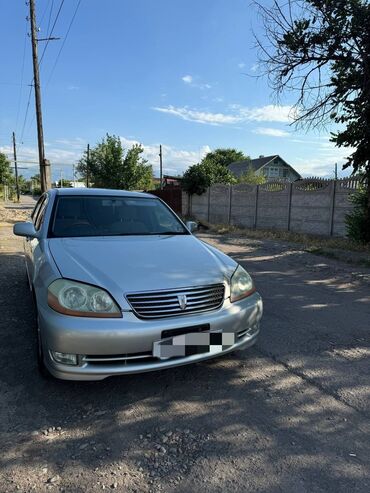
x=64, y=358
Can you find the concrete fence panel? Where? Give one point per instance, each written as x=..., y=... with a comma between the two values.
x=272, y=206
x=219, y=204
x=313, y=206
x=199, y=206
x=243, y=205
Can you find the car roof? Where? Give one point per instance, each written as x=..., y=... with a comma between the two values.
x=98, y=191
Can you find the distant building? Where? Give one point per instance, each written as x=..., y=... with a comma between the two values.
x=167, y=181
x=272, y=167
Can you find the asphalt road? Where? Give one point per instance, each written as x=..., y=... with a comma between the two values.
x=289, y=415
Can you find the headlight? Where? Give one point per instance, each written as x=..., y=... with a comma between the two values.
x=81, y=300
x=241, y=285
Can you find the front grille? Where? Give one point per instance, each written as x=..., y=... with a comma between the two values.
x=160, y=304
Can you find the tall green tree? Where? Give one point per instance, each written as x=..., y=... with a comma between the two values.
x=224, y=156
x=5, y=169
x=112, y=166
x=212, y=169
x=320, y=51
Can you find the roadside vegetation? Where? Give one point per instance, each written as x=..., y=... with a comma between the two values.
x=319, y=51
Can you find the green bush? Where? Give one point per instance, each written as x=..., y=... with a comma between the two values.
x=356, y=221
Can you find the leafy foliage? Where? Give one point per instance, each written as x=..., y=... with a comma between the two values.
x=224, y=157
x=5, y=169
x=320, y=49
x=200, y=176
x=212, y=169
x=356, y=220
x=111, y=166
x=250, y=177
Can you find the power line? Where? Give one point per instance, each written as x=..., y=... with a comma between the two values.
x=27, y=108
x=59, y=53
x=43, y=53
x=64, y=41
x=51, y=11
x=51, y=31
x=22, y=72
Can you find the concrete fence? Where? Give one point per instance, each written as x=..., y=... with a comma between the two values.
x=312, y=206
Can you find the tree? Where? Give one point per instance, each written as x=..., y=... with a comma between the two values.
x=320, y=50
x=200, y=176
x=111, y=166
x=355, y=220
x=224, y=157
x=5, y=169
x=250, y=177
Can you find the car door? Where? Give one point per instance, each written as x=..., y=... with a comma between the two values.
x=31, y=244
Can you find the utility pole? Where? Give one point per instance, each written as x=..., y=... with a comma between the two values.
x=44, y=164
x=61, y=178
x=73, y=175
x=15, y=167
x=160, y=167
x=87, y=165
x=336, y=171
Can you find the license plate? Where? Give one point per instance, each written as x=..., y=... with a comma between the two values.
x=193, y=343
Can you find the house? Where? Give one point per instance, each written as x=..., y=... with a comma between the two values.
x=167, y=181
x=272, y=167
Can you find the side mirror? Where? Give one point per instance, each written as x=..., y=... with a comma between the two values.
x=192, y=226
x=26, y=229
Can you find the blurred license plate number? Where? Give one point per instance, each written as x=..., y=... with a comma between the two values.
x=193, y=343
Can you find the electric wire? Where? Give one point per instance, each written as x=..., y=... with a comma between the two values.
x=64, y=42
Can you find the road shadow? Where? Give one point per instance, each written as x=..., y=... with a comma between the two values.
x=239, y=423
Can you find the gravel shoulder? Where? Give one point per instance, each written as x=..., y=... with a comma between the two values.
x=290, y=414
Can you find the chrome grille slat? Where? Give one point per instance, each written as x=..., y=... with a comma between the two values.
x=170, y=294
x=165, y=303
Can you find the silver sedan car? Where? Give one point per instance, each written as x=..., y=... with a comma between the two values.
x=121, y=285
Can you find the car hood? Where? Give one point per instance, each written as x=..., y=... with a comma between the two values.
x=140, y=263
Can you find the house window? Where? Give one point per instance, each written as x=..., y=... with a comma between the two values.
x=274, y=172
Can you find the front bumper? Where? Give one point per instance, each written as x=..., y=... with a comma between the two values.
x=131, y=336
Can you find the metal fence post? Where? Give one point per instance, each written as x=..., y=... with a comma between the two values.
x=230, y=199
x=256, y=208
x=290, y=189
x=332, y=207
x=209, y=203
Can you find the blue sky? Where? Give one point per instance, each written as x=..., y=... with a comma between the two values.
x=177, y=73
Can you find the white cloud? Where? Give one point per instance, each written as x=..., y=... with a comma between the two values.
x=175, y=161
x=241, y=65
x=199, y=116
x=271, y=132
x=188, y=79
x=63, y=155
x=254, y=67
x=238, y=114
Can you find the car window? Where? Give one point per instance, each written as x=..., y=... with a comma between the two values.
x=112, y=216
x=41, y=213
x=37, y=208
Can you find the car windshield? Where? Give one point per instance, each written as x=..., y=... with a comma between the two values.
x=112, y=216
